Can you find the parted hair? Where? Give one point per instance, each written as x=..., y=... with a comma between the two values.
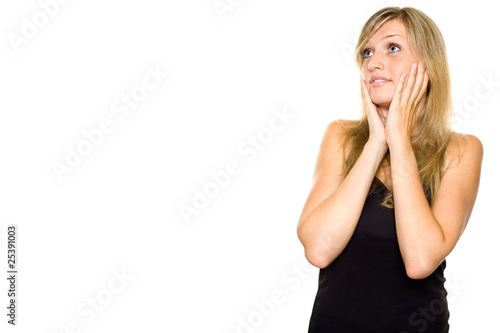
x=432, y=131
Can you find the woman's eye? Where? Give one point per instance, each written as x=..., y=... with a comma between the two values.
x=364, y=53
x=393, y=46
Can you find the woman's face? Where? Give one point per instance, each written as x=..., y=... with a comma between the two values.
x=386, y=54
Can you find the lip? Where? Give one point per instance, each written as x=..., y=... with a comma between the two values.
x=378, y=83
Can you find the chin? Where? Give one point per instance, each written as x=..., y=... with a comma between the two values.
x=382, y=102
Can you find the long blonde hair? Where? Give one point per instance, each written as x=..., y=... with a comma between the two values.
x=433, y=125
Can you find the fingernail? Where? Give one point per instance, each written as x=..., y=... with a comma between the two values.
x=420, y=65
x=413, y=67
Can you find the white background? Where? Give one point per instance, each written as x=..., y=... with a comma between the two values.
x=118, y=210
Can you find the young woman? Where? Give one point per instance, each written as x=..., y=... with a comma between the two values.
x=393, y=191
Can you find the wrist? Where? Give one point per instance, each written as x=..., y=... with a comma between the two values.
x=377, y=146
x=399, y=145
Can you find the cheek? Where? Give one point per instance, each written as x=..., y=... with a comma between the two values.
x=397, y=75
x=400, y=66
x=364, y=73
x=404, y=68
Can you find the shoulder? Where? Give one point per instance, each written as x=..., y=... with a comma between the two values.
x=336, y=129
x=331, y=155
x=341, y=124
x=463, y=147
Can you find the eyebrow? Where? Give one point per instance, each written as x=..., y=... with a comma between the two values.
x=388, y=36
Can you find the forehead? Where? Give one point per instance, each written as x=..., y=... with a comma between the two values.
x=392, y=27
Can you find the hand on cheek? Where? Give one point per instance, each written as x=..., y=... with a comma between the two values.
x=409, y=92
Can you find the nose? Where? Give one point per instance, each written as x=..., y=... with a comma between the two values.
x=375, y=62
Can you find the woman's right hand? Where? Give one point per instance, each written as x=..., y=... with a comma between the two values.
x=376, y=119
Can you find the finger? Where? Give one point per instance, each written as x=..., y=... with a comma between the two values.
x=409, y=86
x=420, y=100
x=419, y=103
x=396, y=99
x=367, y=101
x=423, y=90
x=364, y=91
x=381, y=115
x=417, y=88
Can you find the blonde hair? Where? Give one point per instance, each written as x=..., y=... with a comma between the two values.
x=433, y=124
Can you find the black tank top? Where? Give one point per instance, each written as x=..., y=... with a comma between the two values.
x=366, y=289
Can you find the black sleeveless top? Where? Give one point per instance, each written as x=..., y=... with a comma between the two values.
x=366, y=289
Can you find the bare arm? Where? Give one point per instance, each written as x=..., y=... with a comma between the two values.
x=333, y=207
x=427, y=235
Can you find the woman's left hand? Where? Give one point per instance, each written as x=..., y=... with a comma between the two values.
x=406, y=104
